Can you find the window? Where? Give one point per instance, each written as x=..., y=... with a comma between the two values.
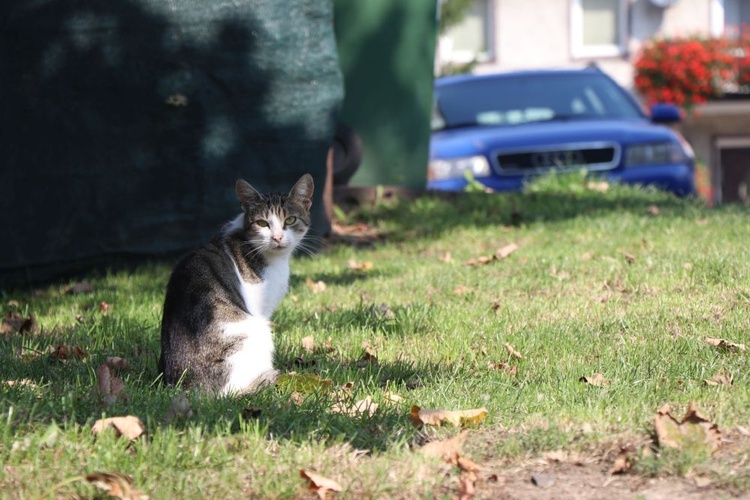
x=598, y=28
x=736, y=15
x=470, y=40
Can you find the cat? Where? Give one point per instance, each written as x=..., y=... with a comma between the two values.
x=215, y=332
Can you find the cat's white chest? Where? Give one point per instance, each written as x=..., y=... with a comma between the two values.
x=262, y=299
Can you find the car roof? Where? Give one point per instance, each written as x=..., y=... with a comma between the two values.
x=469, y=77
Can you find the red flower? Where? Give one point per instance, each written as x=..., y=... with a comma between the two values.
x=689, y=71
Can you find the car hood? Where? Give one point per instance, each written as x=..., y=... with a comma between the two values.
x=467, y=141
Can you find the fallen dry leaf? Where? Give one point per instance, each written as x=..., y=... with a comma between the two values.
x=315, y=286
x=511, y=370
x=512, y=351
x=131, y=427
x=597, y=380
x=108, y=386
x=363, y=407
x=693, y=431
x=21, y=383
x=501, y=253
x=14, y=322
x=67, y=352
x=446, y=447
x=446, y=258
x=721, y=378
x=461, y=290
x=116, y=485
x=308, y=343
x=369, y=357
x=116, y=363
x=601, y=186
x=623, y=462
x=319, y=484
x=360, y=266
x=421, y=417
x=724, y=344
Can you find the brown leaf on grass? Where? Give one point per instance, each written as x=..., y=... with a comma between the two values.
x=14, y=322
x=444, y=448
x=67, y=352
x=461, y=290
x=79, y=288
x=687, y=266
x=629, y=257
x=600, y=186
x=369, y=357
x=421, y=417
x=512, y=351
x=724, y=344
x=315, y=286
x=308, y=343
x=467, y=480
x=116, y=363
x=363, y=407
x=130, y=427
x=116, y=485
x=108, y=386
x=721, y=378
x=26, y=382
x=597, y=380
x=693, y=431
x=511, y=370
x=624, y=461
x=319, y=484
x=446, y=258
x=360, y=266
x=501, y=253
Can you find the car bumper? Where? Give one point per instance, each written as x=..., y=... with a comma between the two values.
x=678, y=179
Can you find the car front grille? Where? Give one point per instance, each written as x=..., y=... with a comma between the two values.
x=598, y=156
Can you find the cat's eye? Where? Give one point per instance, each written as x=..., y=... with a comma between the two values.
x=262, y=223
x=290, y=220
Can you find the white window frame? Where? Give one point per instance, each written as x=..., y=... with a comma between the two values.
x=463, y=56
x=579, y=50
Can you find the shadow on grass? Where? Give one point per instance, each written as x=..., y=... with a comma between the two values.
x=434, y=214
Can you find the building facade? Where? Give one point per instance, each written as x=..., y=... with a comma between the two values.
x=516, y=34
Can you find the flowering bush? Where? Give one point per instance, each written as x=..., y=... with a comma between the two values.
x=684, y=71
x=689, y=71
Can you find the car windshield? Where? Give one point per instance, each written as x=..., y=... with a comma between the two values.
x=515, y=100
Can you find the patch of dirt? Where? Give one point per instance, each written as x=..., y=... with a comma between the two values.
x=587, y=482
x=587, y=474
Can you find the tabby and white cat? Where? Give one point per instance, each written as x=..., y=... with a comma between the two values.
x=215, y=332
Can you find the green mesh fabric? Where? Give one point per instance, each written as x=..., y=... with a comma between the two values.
x=125, y=125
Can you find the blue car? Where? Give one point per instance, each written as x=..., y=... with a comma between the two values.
x=505, y=128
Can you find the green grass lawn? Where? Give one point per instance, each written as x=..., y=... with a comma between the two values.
x=627, y=283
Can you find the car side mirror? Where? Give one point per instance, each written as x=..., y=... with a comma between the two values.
x=665, y=113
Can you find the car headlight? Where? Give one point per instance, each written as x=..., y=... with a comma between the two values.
x=452, y=168
x=656, y=153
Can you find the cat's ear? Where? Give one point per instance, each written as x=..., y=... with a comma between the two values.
x=246, y=193
x=303, y=190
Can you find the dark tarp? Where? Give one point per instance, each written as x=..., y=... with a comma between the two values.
x=124, y=124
